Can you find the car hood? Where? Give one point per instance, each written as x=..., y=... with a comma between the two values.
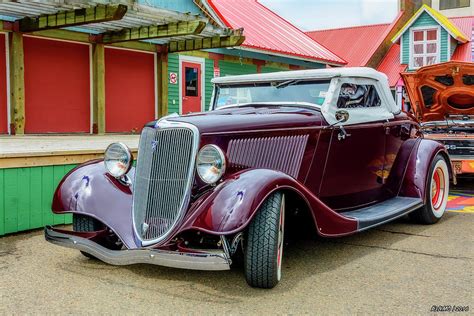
x=441, y=91
x=246, y=118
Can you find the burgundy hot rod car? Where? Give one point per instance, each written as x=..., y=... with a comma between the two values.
x=330, y=144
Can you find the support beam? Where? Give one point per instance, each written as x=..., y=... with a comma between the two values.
x=17, y=84
x=205, y=43
x=153, y=31
x=163, y=80
x=99, y=89
x=96, y=14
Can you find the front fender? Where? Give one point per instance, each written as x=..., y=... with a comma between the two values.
x=417, y=172
x=230, y=207
x=88, y=189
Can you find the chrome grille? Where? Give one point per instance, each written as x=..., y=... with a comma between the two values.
x=163, y=179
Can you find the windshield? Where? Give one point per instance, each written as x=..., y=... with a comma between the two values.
x=289, y=91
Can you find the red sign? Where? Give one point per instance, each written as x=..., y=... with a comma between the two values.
x=217, y=72
x=173, y=78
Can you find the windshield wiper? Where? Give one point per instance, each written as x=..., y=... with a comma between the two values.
x=287, y=83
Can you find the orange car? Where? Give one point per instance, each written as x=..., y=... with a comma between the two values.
x=442, y=99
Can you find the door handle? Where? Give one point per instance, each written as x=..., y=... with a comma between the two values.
x=342, y=133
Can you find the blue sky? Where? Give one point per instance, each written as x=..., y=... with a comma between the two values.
x=323, y=14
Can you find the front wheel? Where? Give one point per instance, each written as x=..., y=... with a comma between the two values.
x=437, y=191
x=83, y=223
x=264, y=243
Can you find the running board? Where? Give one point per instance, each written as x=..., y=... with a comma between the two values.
x=383, y=212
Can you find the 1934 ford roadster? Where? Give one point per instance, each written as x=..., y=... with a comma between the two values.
x=327, y=143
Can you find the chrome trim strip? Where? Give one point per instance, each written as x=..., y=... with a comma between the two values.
x=165, y=124
x=215, y=261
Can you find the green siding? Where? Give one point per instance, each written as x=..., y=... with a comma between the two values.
x=425, y=20
x=2, y=203
x=444, y=46
x=173, y=89
x=405, y=48
x=228, y=68
x=208, y=85
x=26, y=195
x=272, y=69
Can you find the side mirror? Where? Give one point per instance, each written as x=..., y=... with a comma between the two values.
x=342, y=116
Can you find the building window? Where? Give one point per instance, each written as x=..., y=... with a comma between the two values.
x=453, y=4
x=425, y=48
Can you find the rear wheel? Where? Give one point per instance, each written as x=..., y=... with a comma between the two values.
x=264, y=243
x=84, y=223
x=437, y=191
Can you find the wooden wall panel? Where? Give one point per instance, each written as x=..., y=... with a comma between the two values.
x=57, y=86
x=129, y=90
x=26, y=195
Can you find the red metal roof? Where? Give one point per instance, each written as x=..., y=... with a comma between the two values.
x=355, y=44
x=265, y=30
x=391, y=66
x=463, y=52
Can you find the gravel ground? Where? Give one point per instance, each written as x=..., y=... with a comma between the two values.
x=399, y=268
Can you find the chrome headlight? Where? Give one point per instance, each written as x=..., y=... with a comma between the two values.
x=118, y=159
x=210, y=164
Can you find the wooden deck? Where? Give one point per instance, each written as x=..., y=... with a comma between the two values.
x=29, y=151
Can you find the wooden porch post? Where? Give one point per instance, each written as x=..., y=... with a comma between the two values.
x=162, y=84
x=99, y=89
x=17, y=84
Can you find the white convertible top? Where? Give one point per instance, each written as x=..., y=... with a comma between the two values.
x=325, y=73
x=344, y=73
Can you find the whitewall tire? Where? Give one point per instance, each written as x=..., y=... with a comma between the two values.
x=437, y=191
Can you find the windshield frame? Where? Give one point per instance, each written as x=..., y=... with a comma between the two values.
x=215, y=93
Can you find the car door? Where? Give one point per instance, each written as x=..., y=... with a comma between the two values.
x=353, y=174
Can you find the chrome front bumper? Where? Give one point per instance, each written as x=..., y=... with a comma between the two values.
x=217, y=260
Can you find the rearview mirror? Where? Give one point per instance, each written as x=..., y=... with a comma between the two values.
x=342, y=116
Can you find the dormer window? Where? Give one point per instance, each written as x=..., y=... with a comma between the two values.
x=424, y=48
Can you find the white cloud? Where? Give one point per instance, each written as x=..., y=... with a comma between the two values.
x=323, y=14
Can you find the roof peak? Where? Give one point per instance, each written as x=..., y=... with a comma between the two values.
x=442, y=20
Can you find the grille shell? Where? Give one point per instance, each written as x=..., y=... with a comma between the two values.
x=163, y=179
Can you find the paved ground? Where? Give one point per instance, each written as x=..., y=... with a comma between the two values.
x=399, y=268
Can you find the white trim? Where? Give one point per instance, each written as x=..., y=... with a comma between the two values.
x=449, y=49
x=401, y=50
x=155, y=86
x=196, y=60
x=130, y=49
x=412, y=42
x=7, y=66
x=91, y=92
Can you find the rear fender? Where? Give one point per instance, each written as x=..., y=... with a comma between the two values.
x=417, y=171
x=88, y=189
x=230, y=207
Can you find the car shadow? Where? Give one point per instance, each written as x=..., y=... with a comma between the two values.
x=304, y=256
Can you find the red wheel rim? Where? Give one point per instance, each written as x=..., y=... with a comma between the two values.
x=437, y=189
